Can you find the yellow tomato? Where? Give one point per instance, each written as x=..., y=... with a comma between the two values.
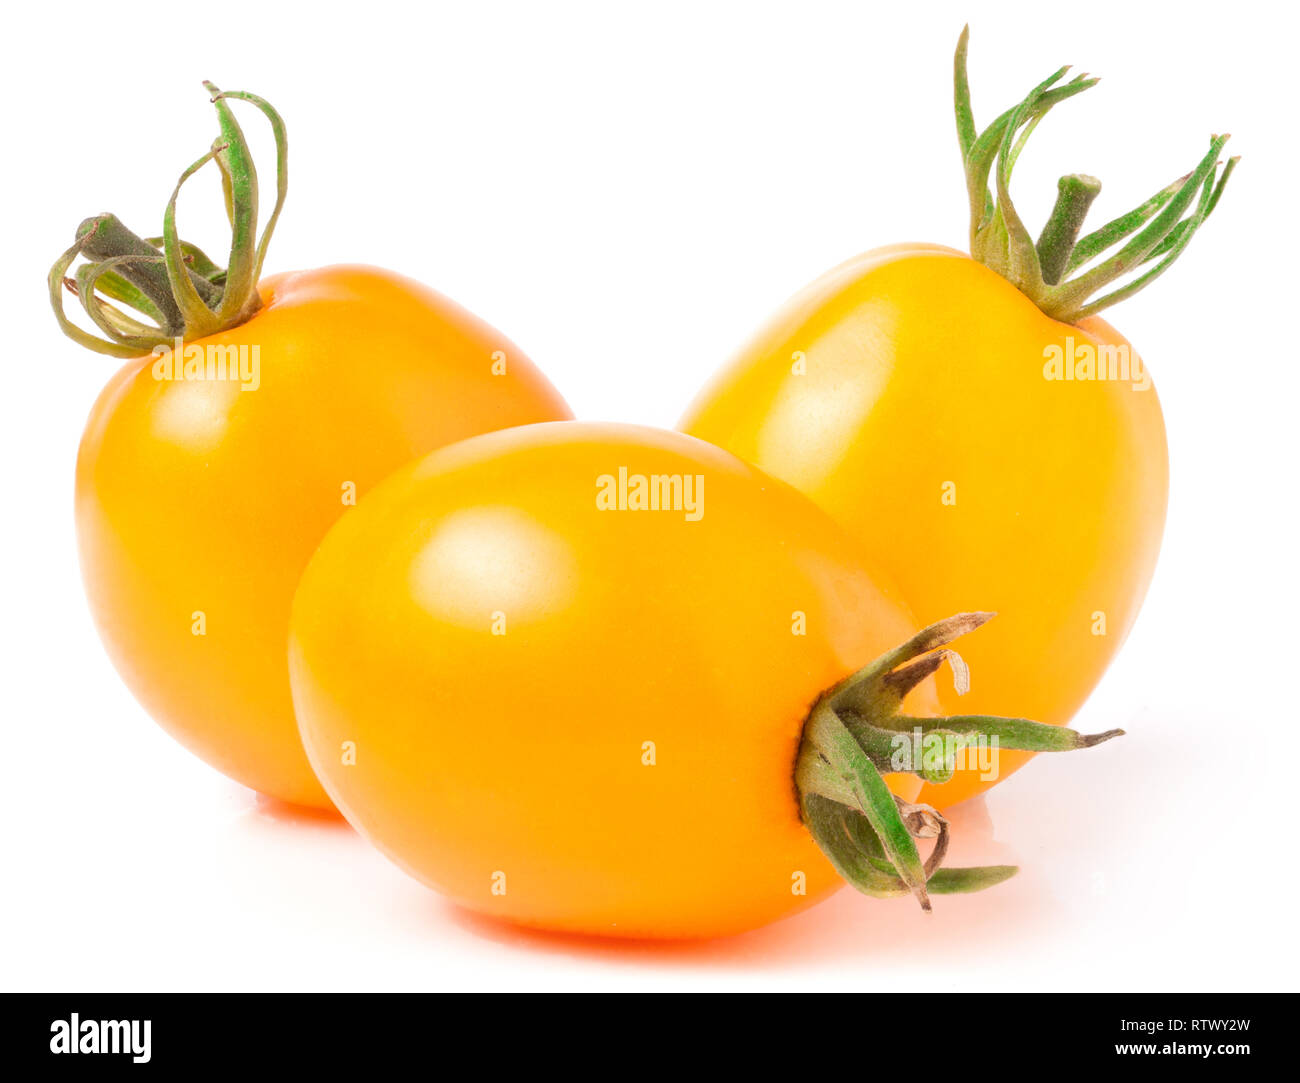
x=250, y=415
x=558, y=707
x=199, y=501
x=905, y=392
x=989, y=439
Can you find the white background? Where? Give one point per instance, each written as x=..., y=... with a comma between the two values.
x=627, y=192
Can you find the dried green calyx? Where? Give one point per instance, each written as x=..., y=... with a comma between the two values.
x=856, y=734
x=175, y=290
x=1051, y=271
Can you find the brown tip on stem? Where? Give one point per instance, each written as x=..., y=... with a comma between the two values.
x=922, y=821
x=945, y=631
x=1088, y=740
x=907, y=676
x=968, y=622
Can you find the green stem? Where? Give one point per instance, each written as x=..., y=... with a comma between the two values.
x=1068, y=298
x=1074, y=195
x=200, y=321
x=857, y=732
x=999, y=239
x=116, y=288
x=115, y=323
x=281, y=136
x=105, y=237
x=1090, y=247
x=56, y=282
x=961, y=96
x=1017, y=733
x=178, y=290
x=829, y=744
x=237, y=165
x=965, y=881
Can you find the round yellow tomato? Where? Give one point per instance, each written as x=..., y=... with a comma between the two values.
x=199, y=500
x=560, y=673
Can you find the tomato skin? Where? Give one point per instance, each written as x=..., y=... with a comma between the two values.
x=923, y=367
x=521, y=753
x=196, y=497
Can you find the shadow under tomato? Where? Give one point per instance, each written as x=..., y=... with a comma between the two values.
x=282, y=812
x=847, y=925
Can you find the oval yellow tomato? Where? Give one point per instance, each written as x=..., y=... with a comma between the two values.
x=989, y=439
x=250, y=415
x=906, y=393
x=560, y=673
x=200, y=500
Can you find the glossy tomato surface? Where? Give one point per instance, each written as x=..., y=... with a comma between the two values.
x=907, y=392
x=199, y=501
x=561, y=708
